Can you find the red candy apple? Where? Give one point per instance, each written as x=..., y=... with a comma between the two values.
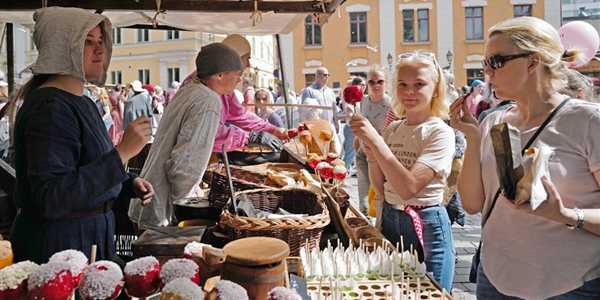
x=51, y=281
x=142, y=277
x=353, y=94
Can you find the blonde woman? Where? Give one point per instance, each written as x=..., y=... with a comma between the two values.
x=410, y=163
x=264, y=96
x=532, y=254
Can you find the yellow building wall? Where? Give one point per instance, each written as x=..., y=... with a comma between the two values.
x=336, y=50
x=493, y=13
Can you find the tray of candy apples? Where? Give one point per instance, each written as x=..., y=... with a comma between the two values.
x=68, y=272
x=367, y=272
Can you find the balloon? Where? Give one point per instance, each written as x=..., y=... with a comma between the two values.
x=580, y=35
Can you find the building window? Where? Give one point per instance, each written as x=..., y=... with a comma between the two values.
x=142, y=35
x=144, y=76
x=474, y=22
x=358, y=28
x=408, y=17
x=173, y=35
x=522, y=11
x=423, y=23
x=262, y=49
x=312, y=31
x=309, y=79
x=473, y=74
x=116, y=77
x=173, y=75
x=117, y=36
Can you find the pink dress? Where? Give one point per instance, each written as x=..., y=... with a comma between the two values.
x=116, y=130
x=472, y=102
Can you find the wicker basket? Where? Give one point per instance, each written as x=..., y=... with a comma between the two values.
x=294, y=231
x=242, y=180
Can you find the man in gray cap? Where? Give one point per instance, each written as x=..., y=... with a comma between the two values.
x=184, y=140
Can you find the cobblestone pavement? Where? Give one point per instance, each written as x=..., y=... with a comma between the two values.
x=466, y=240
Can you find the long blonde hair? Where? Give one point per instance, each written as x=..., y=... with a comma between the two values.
x=438, y=106
x=537, y=36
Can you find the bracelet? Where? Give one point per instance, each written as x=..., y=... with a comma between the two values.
x=580, y=219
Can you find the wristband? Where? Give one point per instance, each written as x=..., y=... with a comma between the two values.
x=580, y=219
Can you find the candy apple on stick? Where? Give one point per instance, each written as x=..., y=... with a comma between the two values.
x=353, y=94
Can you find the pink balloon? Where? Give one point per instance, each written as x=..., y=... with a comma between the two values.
x=580, y=35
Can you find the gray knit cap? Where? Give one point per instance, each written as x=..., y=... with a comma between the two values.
x=217, y=58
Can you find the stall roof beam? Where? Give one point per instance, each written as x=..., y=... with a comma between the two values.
x=179, y=5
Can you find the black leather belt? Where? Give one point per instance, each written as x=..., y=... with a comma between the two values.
x=102, y=209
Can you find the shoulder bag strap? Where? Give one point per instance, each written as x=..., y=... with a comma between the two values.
x=531, y=140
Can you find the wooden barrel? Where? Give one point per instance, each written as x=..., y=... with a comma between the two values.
x=256, y=263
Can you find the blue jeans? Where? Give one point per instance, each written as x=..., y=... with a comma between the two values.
x=349, y=152
x=437, y=239
x=485, y=290
x=362, y=177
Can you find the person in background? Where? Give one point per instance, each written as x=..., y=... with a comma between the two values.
x=409, y=165
x=324, y=95
x=171, y=93
x=157, y=103
x=374, y=108
x=495, y=103
x=474, y=98
x=282, y=111
x=264, y=96
x=452, y=93
x=578, y=86
x=116, y=130
x=136, y=105
x=522, y=249
x=248, y=92
x=4, y=123
x=68, y=172
x=104, y=102
x=184, y=140
x=463, y=90
x=312, y=116
x=248, y=129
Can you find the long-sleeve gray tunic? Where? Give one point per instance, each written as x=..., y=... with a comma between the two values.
x=180, y=152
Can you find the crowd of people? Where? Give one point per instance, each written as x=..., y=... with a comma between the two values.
x=70, y=145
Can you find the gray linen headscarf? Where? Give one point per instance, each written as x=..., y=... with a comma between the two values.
x=59, y=35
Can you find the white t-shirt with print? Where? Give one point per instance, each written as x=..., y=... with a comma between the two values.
x=430, y=143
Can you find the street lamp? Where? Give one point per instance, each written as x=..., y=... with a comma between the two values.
x=390, y=59
x=449, y=56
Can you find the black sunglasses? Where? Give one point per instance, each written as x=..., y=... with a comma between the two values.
x=497, y=61
x=373, y=82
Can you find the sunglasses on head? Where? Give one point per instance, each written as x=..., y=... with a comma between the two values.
x=497, y=61
x=379, y=82
x=426, y=54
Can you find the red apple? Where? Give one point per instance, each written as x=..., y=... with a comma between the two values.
x=353, y=94
x=179, y=268
x=13, y=280
x=142, y=277
x=102, y=280
x=51, y=281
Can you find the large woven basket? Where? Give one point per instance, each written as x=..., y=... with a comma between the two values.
x=242, y=180
x=294, y=231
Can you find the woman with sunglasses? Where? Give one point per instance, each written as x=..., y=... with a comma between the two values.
x=532, y=254
x=374, y=108
x=409, y=165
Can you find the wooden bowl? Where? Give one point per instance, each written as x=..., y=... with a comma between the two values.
x=356, y=222
x=367, y=232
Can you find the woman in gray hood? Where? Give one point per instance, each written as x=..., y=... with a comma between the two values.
x=68, y=171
